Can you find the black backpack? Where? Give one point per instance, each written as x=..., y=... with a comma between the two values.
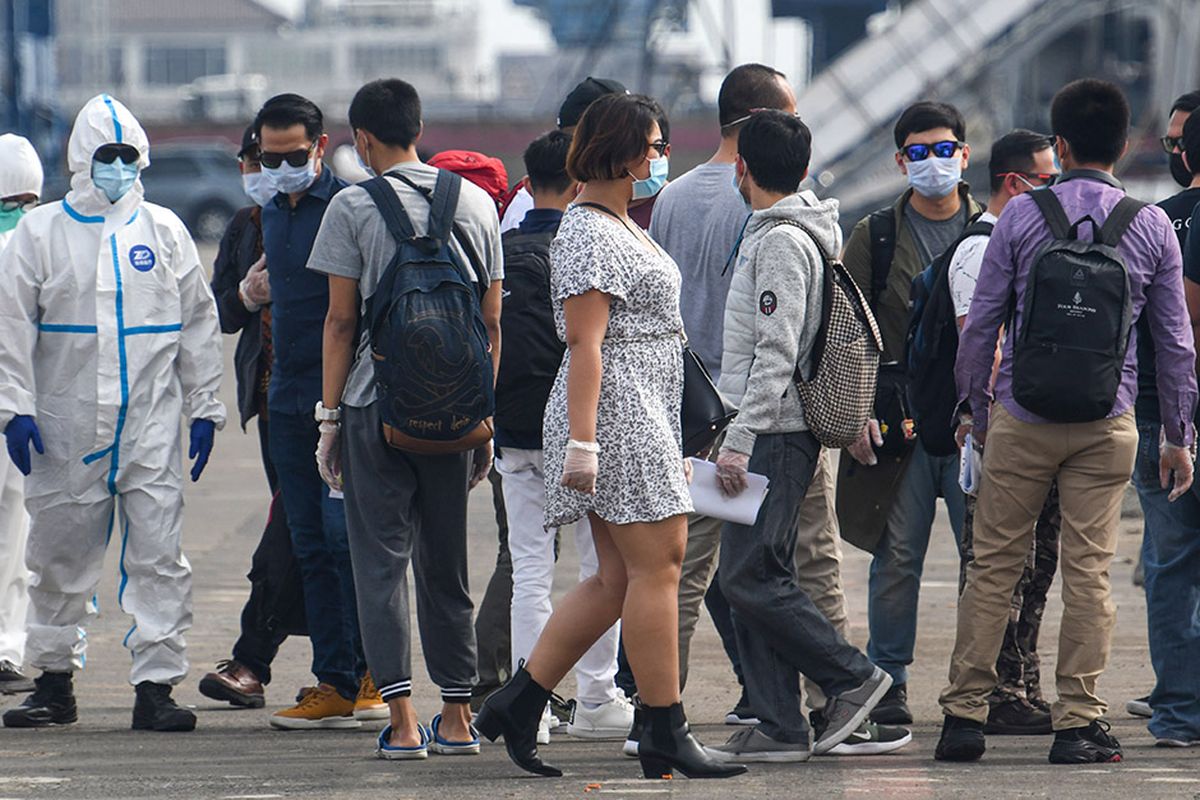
x=931, y=348
x=532, y=351
x=1070, y=349
x=433, y=366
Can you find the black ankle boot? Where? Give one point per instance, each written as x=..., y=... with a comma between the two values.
x=52, y=703
x=154, y=710
x=667, y=744
x=513, y=712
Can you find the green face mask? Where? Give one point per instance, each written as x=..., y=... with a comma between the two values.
x=9, y=219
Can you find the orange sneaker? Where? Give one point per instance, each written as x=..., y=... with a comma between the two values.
x=369, y=705
x=319, y=709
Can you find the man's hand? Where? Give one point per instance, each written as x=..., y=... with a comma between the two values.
x=329, y=455
x=863, y=451
x=481, y=463
x=20, y=432
x=731, y=472
x=1177, y=460
x=255, y=288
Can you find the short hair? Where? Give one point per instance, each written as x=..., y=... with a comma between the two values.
x=612, y=133
x=389, y=109
x=927, y=115
x=747, y=87
x=546, y=162
x=776, y=148
x=1187, y=103
x=1093, y=117
x=1191, y=142
x=660, y=116
x=1014, y=152
x=285, y=110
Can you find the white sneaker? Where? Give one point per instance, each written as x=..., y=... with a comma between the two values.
x=609, y=721
x=547, y=723
x=1140, y=707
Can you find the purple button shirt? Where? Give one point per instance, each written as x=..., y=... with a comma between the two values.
x=1151, y=252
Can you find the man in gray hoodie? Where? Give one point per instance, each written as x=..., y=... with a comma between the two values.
x=772, y=317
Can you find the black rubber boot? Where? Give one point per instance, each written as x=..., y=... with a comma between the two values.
x=154, y=710
x=513, y=712
x=52, y=703
x=667, y=744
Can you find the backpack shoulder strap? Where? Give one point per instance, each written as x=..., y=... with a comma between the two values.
x=391, y=209
x=881, y=225
x=1119, y=220
x=443, y=204
x=485, y=278
x=1052, y=211
x=978, y=228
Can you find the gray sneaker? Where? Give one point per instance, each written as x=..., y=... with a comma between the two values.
x=844, y=713
x=749, y=744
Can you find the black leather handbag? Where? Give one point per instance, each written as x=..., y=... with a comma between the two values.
x=704, y=413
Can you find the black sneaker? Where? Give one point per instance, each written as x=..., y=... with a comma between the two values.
x=1092, y=744
x=52, y=703
x=742, y=714
x=154, y=710
x=1015, y=717
x=12, y=680
x=893, y=708
x=961, y=740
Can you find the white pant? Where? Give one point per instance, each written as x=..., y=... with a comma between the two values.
x=14, y=578
x=532, y=548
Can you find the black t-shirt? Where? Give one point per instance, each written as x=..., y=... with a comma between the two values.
x=1180, y=209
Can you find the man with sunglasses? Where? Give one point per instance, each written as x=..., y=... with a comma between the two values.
x=886, y=499
x=108, y=335
x=1172, y=141
x=20, y=188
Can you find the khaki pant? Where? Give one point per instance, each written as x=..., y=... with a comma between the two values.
x=818, y=566
x=1092, y=462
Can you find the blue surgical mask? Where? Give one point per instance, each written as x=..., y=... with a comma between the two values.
x=9, y=219
x=291, y=180
x=935, y=177
x=258, y=188
x=115, y=179
x=648, y=187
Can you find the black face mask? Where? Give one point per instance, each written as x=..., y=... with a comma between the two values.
x=1181, y=174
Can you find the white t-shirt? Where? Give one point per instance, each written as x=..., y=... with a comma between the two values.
x=520, y=205
x=964, y=267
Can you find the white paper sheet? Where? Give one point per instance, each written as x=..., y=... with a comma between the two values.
x=708, y=500
x=970, y=467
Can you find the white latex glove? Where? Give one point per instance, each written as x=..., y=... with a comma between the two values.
x=862, y=450
x=687, y=470
x=1180, y=461
x=329, y=455
x=481, y=463
x=255, y=288
x=731, y=472
x=581, y=464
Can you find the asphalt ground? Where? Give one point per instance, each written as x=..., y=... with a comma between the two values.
x=234, y=754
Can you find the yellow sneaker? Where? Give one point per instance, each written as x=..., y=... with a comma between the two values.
x=369, y=705
x=321, y=708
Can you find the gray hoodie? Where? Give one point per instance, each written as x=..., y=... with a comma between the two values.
x=773, y=313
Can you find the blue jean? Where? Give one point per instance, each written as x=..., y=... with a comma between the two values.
x=1171, y=555
x=318, y=528
x=895, y=578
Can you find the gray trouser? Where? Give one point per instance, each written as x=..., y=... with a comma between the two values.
x=403, y=507
x=818, y=567
x=780, y=632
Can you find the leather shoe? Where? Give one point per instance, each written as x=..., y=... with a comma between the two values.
x=234, y=683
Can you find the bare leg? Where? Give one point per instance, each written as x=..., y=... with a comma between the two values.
x=404, y=723
x=456, y=722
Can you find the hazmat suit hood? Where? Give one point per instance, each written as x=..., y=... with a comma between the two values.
x=103, y=120
x=20, y=167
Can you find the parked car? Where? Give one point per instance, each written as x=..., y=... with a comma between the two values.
x=198, y=181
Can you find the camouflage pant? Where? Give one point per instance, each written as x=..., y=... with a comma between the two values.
x=1018, y=666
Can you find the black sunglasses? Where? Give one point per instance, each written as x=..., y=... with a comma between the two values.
x=920, y=152
x=296, y=158
x=1047, y=178
x=108, y=153
x=1172, y=144
x=661, y=147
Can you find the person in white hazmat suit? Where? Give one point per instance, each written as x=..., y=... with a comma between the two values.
x=108, y=334
x=20, y=188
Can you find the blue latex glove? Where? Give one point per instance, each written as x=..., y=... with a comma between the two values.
x=201, y=445
x=19, y=432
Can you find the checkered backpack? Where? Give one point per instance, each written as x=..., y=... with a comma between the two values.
x=838, y=394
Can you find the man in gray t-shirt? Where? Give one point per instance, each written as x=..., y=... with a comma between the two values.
x=400, y=505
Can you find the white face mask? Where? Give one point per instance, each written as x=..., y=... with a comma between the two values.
x=258, y=188
x=290, y=180
x=935, y=177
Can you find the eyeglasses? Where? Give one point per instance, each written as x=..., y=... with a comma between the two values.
x=1047, y=178
x=13, y=205
x=296, y=158
x=920, y=152
x=1172, y=144
x=751, y=112
x=661, y=146
x=108, y=153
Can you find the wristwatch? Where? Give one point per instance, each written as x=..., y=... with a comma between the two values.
x=323, y=414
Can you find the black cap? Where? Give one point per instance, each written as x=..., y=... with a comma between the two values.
x=249, y=141
x=583, y=95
